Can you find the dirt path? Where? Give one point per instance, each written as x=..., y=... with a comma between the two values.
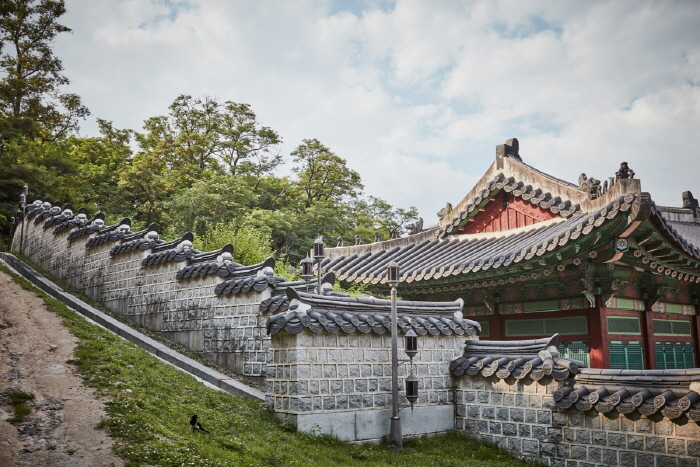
x=61, y=429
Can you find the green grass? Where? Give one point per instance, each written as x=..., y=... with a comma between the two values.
x=18, y=402
x=150, y=404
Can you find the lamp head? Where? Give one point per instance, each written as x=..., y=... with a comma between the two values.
x=307, y=268
x=319, y=247
x=392, y=271
x=411, y=344
x=412, y=389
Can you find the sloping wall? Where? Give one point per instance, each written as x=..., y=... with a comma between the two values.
x=225, y=328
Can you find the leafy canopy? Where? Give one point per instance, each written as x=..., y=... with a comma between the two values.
x=31, y=102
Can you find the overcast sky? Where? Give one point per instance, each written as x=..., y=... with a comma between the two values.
x=415, y=95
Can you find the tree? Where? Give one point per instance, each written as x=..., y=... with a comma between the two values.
x=366, y=216
x=185, y=140
x=101, y=160
x=31, y=104
x=201, y=136
x=250, y=246
x=323, y=176
x=215, y=200
x=245, y=147
x=147, y=186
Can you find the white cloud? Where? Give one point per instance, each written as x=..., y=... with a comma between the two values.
x=417, y=95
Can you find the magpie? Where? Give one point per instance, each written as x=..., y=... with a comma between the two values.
x=195, y=424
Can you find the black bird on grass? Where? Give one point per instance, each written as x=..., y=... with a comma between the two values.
x=196, y=426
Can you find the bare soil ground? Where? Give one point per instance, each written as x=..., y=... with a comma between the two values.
x=61, y=429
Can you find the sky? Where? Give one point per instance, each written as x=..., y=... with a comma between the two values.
x=415, y=95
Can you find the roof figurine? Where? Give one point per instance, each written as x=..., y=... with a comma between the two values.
x=689, y=202
x=624, y=173
x=415, y=227
x=510, y=149
x=444, y=211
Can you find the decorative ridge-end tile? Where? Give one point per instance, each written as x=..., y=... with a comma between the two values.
x=90, y=226
x=179, y=250
x=534, y=358
x=109, y=233
x=675, y=394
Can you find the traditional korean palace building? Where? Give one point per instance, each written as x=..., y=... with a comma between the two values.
x=615, y=275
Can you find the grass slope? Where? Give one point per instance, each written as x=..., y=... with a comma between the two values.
x=150, y=404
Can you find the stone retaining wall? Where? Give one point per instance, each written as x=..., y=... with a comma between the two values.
x=227, y=329
x=521, y=417
x=340, y=384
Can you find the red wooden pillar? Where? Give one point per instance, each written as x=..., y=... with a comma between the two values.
x=648, y=338
x=497, y=325
x=598, y=336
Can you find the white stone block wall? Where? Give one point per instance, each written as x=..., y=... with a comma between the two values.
x=521, y=417
x=340, y=384
x=227, y=329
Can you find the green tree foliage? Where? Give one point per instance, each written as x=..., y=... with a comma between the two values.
x=250, y=246
x=366, y=216
x=35, y=116
x=323, y=176
x=214, y=200
x=31, y=103
x=244, y=146
x=205, y=166
x=100, y=161
x=147, y=183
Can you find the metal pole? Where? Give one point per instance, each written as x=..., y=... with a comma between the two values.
x=21, y=233
x=318, y=289
x=395, y=432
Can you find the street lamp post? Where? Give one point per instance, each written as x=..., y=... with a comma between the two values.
x=23, y=203
x=318, y=256
x=395, y=427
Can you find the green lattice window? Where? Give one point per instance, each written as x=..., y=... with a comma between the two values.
x=671, y=327
x=674, y=355
x=576, y=350
x=573, y=325
x=485, y=329
x=626, y=355
x=624, y=325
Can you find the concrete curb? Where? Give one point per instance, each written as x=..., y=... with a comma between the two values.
x=182, y=362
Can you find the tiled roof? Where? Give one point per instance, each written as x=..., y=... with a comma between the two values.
x=203, y=264
x=107, y=233
x=689, y=231
x=461, y=254
x=78, y=220
x=172, y=250
x=244, y=284
x=534, y=195
x=61, y=217
x=279, y=300
x=365, y=314
x=685, y=234
x=672, y=393
x=667, y=392
x=89, y=227
x=47, y=214
x=137, y=240
x=535, y=358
